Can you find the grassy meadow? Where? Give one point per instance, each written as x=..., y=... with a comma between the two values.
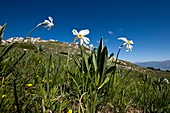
x=37, y=81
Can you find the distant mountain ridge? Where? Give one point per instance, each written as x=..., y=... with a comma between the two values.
x=163, y=65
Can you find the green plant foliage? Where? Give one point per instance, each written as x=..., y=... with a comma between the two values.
x=42, y=81
x=2, y=31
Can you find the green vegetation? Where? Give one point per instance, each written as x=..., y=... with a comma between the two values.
x=36, y=81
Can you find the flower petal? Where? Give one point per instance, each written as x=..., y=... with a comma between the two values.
x=51, y=24
x=50, y=18
x=86, y=40
x=131, y=42
x=123, y=38
x=130, y=47
x=127, y=47
x=84, y=32
x=49, y=27
x=127, y=50
x=81, y=42
x=75, y=32
x=124, y=44
x=46, y=22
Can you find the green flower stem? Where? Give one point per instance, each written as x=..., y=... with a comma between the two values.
x=114, y=72
x=118, y=54
x=27, y=36
x=31, y=31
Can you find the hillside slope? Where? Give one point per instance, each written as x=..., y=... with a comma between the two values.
x=64, y=48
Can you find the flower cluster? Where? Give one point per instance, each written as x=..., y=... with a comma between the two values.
x=81, y=35
x=82, y=39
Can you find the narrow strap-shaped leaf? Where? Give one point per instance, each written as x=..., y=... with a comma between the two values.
x=103, y=62
x=76, y=84
x=85, y=65
x=104, y=82
x=77, y=62
x=6, y=50
x=94, y=62
x=99, y=50
x=2, y=32
x=111, y=55
x=110, y=69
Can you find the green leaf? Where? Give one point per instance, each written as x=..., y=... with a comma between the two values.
x=105, y=81
x=56, y=72
x=36, y=107
x=77, y=62
x=94, y=62
x=86, y=62
x=85, y=65
x=111, y=55
x=99, y=50
x=6, y=50
x=2, y=31
x=76, y=85
x=6, y=60
x=103, y=61
x=110, y=69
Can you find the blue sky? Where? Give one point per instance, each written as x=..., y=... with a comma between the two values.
x=146, y=22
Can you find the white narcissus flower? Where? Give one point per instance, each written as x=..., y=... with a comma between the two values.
x=127, y=43
x=81, y=35
x=49, y=23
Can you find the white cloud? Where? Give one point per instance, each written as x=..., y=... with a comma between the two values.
x=98, y=41
x=110, y=32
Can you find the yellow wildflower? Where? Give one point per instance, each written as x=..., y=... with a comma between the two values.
x=3, y=96
x=29, y=85
x=69, y=111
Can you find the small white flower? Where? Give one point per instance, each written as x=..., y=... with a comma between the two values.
x=166, y=80
x=127, y=43
x=81, y=35
x=49, y=23
x=25, y=49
